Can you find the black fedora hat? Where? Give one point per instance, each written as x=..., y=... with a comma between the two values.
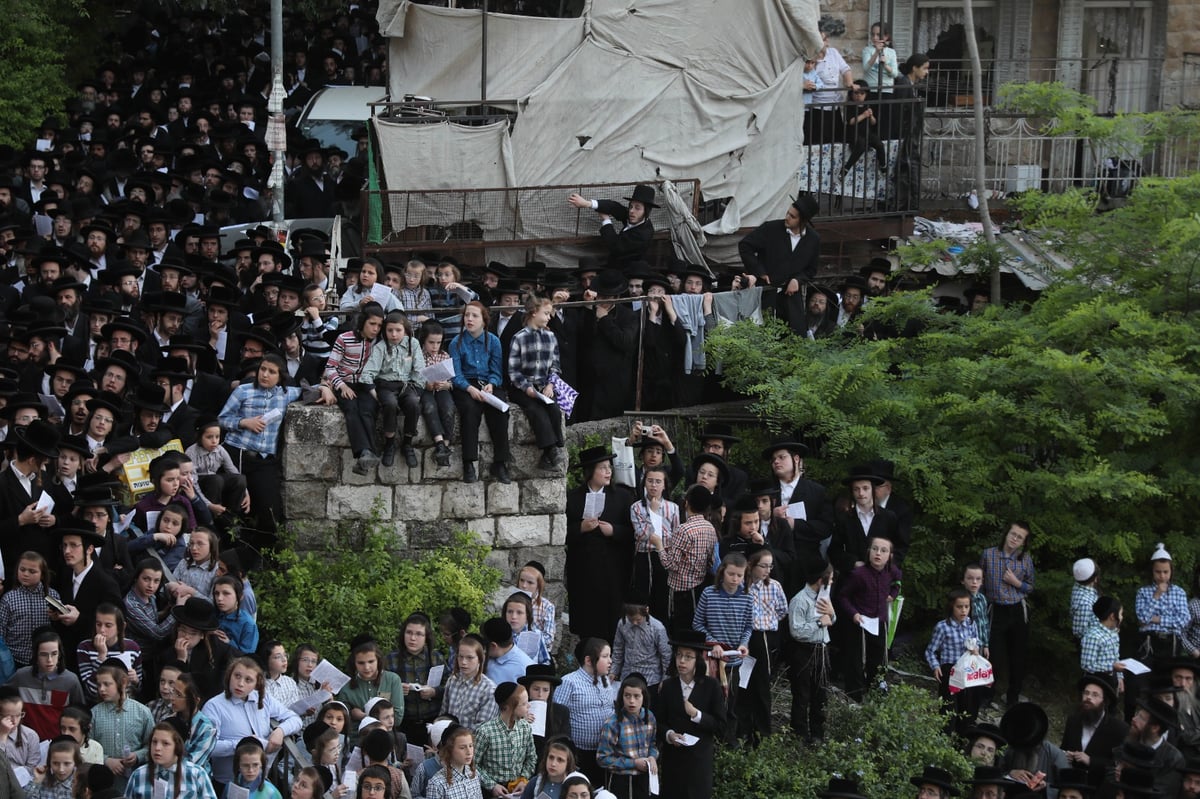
x=990, y=775
x=75, y=444
x=932, y=775
x=1103, y=681
x=1137, y=782
x=717, y=461
x=1190, y=766
x=122, y=358
x=1159, y=710
x=784, y=443
x=172, y=367
x=107, y=400
x=149, y=397
x=720, y=431
x=224, y=296
x=986, y=730
x=1075, y=778
x=594, y=455
x=644, y=194
x=840, y=788
x=73, y=525
x=1024, y=724
x=806, y=206
x=539, y=673
x=884, y=468
x=853, y=282
x=1135, y=754
x=138, y=332
x=285, y=324
x=689, y=639
x=96, y=495
x=197, y=613
x=22, y=399
x=184, y=341
x=498, y=269
x=760, y=487
x=609, y=283
x=862, y=472
x=40, y=436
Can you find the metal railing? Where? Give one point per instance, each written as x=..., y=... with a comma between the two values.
x=472, y=219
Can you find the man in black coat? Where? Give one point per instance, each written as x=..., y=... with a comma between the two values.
x=82, y=584
x=630, y=243
x=311, y=192
x=23, y=525
x=783, y=253
x=864, y=518
x=885, y=470
x=1097, y=703
x=608, y=339
x=786, y=459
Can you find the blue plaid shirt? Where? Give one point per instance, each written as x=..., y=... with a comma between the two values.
x=532, y=358
x=1100, y=648
x=1082, y=617
x=770, y=604
x=591, y=704
x=949, y=641
x=194, y=782
x=247, y=402
x=625, y=739
x=981, y=617
x=1171, y=608
x=994, y=562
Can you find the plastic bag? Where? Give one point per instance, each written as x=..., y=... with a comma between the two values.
x=971, y=671
x=624, y=472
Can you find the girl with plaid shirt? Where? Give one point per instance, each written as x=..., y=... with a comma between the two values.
x=470, y=694
x=532, y=361
x=23, y=608
x=769, y=607
x=628, y=749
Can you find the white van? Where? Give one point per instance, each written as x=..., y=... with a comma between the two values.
x=335, y=112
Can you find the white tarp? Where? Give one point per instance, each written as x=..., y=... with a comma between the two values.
x=437, y=52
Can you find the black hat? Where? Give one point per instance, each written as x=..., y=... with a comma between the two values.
x=1105, y=682
x=1190, y=766
x=655, y=279
x=504, y=690
x=876, y=265
x=689, y=639
x=81, y=387
x=197, y=613
x=593, y=455
x=223, y=296
x=75, y=444
x=169, y=302
x=785, y=443
x=609, y=283
x=67, y=282
x=95, y=495
x=1076, y=778
x=538, y=565
x=1169, y=666
x=853, y=282
x=40, y=436
x=62, y=366
x=862, y=472
x=106, y=400
x=812, y=566
x=715, y=460
x=539, y=673
x=1160, y=711
x=990, y=775
x=122, y=358
x=884, y=469
x=498, y=269
x=932, y=775
x=127, y=326
x=497, y=631
x=1024, y=724
x=172, y=367
x=149, y=397
x=1137, y=782
x=588, y=263
x=718, y=430
x=184, y=341
x=986, y=730
x=1135, y=754
x=643, y=194
x=746, y=503
x=285, y=324
x=841, y=789
x=806, y=206
x=73, y=525
x=22, y=399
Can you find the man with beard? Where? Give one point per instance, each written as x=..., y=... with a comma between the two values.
x=311, y=194
x=1092, y=733
x=819, y=320
x=876, y=274
x=1153, y=720
x=1190, y=779
x=1030, y=759
x=1183, y=677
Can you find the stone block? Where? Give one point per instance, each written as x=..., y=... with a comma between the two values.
x=524, y=465
x=520, y=432
x=501, y=560
x=421, y=501
x=304, y=499
x=522, y=531
x=543, y=495
x=399, y=535
x=463, y=500
x=503, y=499
x=312, y=535
x=399, y=473
x=357, y=502
x=553, y=557
x=312, y=461
x=315, y=424
x=558, y=529
x=431, y=533
x=483, y=528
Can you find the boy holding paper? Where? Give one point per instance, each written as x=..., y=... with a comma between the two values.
x=1100, y=648
x=867, y=592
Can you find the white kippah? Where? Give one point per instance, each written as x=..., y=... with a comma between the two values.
x=1083, y=570
x=1160, y=553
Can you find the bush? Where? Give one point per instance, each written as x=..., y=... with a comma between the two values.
x=327, y=598
x=881, y=743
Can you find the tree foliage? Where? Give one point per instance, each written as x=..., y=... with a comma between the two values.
x=33, y=83
x=364, y=585
x=1077, y=413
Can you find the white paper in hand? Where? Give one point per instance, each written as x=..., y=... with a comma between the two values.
x=272, y=415
x=23, y=775
x=236, y=792
x=545, y=400
x=160, y=789
x=326, y=672
x=529, y=642
x=494, y=401
x=593, y=504
x=538, y=708
x=414, y=754
x=870, y=624
x=435, y=676
x=45, y=503
x=350, y=780
x=1134, y=667
x=440, y=372
x=653, y=783
x=312, y=701
x=688, y=740
x=796, y=511
x=745, y=670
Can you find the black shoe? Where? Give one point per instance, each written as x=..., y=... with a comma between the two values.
x=548, y=462
x=500, y=472
x=469, y=474
x=389, y=452
x=441, y=454
x=410, y=456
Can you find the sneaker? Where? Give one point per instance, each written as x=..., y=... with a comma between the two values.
x=389, y=452
x=469, y=473
x=410, y=456
x=441, y=454
x=500, y=472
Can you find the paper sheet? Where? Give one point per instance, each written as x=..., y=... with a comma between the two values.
x=745, y=670
x=545, y=400
x=688, y=740
x=494, y=401
x=1134, y=667
x=438, y=372
x=870, y=624
x=529, y=642
x=233, y=791
x=414, y=754
x=23, y=775
x=45, y=502
x=824, y=593
x=313, y=700
x=272, y=415
x=796, y=511
x=538, y=708
x=350, y=780
x=152, y=521
x=435, y=676
x=122, y=523
x=653, y=783
x=326, y=672
x=593, y=504
x=160, y=789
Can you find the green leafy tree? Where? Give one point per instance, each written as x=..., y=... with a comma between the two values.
x=1076, y=413
x=33, y=84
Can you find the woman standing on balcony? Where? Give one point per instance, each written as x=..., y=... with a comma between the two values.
x=912, y=121
x=881, y=68
x=835, y=76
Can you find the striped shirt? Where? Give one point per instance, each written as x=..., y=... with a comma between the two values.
x=504, y=753
x=590, y=700
x=770, y=604
x=626, y=739
x=448, y=307
x=1099, y=649
x=532, y=358
x=348, y=360
x=995, y=560
x=1171, y=608
x=725, y=618
x=88, y=660
x=203, y=739
x=949, y=641
x=23, y=610
x=642, y=516
x=142, y=619
x=1082, y=617
x=194, y=782
x=313, y=331
x=687, y=554
x=248, y=401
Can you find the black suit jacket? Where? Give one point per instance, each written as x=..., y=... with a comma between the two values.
x=209, y=393
x=1108, y=736
x=308, y=199
x=511, y=327
x=904, y=523
x=14, y=538
x=183, y=424
x=598, y=566
x=625, y=245
x=566, y=330
x=97, y=587
x=849, y=543
x=688, y=771
x=819, y=510
x=767, y=250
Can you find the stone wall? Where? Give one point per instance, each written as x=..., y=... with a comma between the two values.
x=425, y=505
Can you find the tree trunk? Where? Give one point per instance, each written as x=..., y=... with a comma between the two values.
x=989, y=233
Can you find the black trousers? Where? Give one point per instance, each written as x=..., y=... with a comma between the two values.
x=754, y=720
x=264, y=481
x=628, y=786
x=396, y=397
x=438, y=409
x=866, y=656
x=650, y=575
x=471, y=412
x=809, y=673
x=360, y=414
x=1010, y=641
x=546, y=420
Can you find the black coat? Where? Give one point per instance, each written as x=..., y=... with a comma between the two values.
x=1107, y=737
x=849, y=543
x=14, y=538
x=688, y=770
x=183, y=424
x=598, y=566
x=662, y=359
x=97, y=587
x=767, y=250
x=904, y=523
x=606, y=347
x=566, y=330
x=511, y=328
x=625, y=244
x=810, y=532
x=306, y=198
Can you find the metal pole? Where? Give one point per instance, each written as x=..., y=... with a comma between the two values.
x=641, y=368
x=483, y=60
x=276, y=132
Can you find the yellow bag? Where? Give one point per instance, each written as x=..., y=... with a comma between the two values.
x=135, y=474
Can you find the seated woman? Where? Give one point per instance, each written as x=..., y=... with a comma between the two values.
x=345, y=373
